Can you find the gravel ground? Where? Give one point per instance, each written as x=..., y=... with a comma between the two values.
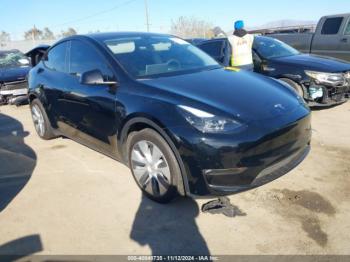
x=59, y=197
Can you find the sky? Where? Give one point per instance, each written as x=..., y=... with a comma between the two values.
x=87, y=16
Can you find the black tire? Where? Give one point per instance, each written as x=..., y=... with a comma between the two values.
x=47, y=132
x=152, y=137
x=295, y=86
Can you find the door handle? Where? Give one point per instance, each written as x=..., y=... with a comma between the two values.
x=344, y=40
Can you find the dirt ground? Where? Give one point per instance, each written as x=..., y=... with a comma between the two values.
x=59, y=197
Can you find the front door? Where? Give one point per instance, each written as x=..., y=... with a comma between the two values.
x=90, y=107
x=344, y=45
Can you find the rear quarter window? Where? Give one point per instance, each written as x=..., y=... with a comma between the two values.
x=331, y=26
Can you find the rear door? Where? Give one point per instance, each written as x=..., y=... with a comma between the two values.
x=218, y=49
x=53, y=77
x=328, y=37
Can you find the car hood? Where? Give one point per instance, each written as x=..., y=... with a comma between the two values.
x=13, y=74
x=242, y=94
x=315, y=63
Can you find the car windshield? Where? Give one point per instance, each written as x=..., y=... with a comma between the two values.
x=10, y=59
x=152, y=56
x=269, y=48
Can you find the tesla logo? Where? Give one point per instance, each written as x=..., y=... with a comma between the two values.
x=280, y=107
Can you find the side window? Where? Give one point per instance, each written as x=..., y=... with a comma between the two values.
x=347, y=29
x=56, y=58
x=84, y=57
x=331, y=26
x=213, y=49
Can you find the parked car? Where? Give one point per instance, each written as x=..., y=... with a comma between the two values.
x=319, y=80
x=331, y=38
x=178, y=119
x=14, y=67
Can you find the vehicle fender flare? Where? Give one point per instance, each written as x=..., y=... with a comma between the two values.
x=183, y=185
x=295, y=82
x=39, y=94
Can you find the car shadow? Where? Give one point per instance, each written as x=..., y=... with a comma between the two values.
x=21, y=247
x=169, y=229
x=17, y=160
x=325, y=107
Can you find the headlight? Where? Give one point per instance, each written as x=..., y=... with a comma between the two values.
x=333, y=79
x=209, y=123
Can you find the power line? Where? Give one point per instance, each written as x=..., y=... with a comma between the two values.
x=95, y=14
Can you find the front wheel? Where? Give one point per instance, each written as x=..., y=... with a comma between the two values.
x=40, y=120
x=153, y=165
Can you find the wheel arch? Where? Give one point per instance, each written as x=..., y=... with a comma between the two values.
x=295, y=82
x=138, y=123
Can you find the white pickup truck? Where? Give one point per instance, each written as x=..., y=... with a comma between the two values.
x=331, y=38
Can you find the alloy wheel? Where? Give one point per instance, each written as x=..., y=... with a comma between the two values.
x=38, y=120
x=150, y=168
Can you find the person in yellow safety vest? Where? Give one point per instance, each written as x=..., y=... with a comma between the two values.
x=241, y=45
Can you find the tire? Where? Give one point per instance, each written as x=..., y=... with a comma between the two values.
x=295, y=86
x=41, y=122
x=153, y=165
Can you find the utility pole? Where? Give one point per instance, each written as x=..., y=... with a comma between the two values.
x=34, y=35
x=147, y=15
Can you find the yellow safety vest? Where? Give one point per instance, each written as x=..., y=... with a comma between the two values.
x=241, y=50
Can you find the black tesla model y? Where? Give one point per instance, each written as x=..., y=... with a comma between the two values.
x=181, y=122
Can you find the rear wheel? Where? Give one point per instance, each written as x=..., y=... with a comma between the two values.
x=295, y=86
x=153, y=165
x=40, y=120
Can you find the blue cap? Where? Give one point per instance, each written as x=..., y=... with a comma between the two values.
x=239, y=24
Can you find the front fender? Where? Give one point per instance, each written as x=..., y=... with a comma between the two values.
x=146, y=121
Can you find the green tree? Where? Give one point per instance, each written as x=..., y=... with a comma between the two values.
x=33, y=34
x=70, y=31
x=191, y=27
x=47, y=34
x=4, y=36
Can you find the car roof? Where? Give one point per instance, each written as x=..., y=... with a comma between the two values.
x=225, y=39
x=111, y=35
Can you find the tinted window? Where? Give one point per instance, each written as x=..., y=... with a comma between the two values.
x=56, y=58
x=213, y=48
x=269, y=48
x=84, y=57
x=347, y=29
x=332, y=25
x=154, y=55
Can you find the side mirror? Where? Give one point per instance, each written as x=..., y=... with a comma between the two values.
x=266, y=67
x=94, y=77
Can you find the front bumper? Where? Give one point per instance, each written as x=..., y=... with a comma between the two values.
x=332, y=95
x=224, y=164
x=267, y=175
x=17, y=88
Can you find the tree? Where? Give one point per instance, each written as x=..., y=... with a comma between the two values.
x=48, y=34
x=190, y=27
x=70, y=31
x=218, y=32
x=4, y=36
x=33, y=34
